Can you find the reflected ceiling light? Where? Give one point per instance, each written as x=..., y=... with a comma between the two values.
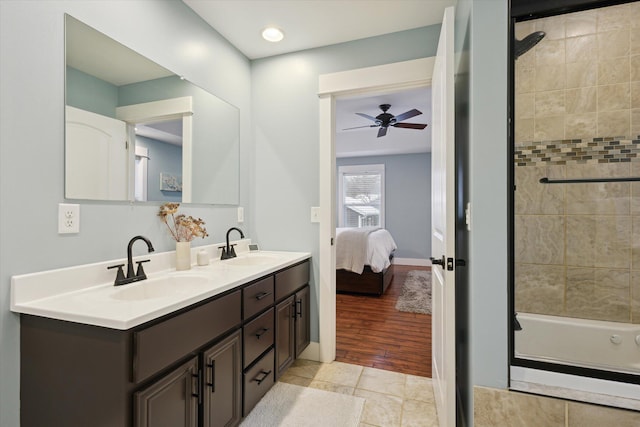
x=272, y=34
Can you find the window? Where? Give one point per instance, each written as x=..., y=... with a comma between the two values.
x=361, y=196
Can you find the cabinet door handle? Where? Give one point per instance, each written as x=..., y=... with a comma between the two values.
x=261, y=295
x=197, y=383
x=212, y=383
x=264, y=374
x=261, y=332
x=299, y=307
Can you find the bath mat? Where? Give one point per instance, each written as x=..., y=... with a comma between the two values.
x=416, y=293
x=291, y=405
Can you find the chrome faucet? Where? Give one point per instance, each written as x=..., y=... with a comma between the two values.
x=228, y=251
x=121, y=279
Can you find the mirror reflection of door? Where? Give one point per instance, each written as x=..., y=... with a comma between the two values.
x=96, y=156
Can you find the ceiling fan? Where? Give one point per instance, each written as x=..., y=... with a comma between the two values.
x=384, y=120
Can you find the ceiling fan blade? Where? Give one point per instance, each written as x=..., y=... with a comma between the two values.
x=410, y=125
x=382, y=131
x=366, y=116
x=359, y=127
x=407, y=115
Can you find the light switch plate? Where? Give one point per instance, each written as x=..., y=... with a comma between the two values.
x=240, y=214
x=315, y=214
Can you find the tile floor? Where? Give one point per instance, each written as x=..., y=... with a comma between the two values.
x=391, y=399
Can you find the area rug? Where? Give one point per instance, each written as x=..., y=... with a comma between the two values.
x=295, y=406
x=416, y=293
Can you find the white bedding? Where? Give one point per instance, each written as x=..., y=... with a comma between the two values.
x=357, y=247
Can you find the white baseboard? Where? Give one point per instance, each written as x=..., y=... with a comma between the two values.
x=412, y=261
x=312, y=352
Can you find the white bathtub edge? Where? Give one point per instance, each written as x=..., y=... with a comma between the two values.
x=573, y=387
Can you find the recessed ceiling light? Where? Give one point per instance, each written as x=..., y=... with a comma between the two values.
x=272, y=34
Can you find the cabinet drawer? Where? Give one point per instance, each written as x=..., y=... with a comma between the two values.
x=258, y=337
x=257, y=381
x=257, y=297
x=291, y=279
x=162, y=344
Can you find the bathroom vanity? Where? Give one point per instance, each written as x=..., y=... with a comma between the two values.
x=206, y=363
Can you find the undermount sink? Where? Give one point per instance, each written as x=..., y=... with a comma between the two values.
x=251, y=260
x=161, y=287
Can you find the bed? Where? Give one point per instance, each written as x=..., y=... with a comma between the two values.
x=364, y=260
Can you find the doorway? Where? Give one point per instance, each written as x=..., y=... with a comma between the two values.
x=384, y=184
x=380, y=79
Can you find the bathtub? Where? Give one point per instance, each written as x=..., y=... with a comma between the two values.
x=588, y=343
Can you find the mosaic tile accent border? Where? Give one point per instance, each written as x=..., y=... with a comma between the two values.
x=578, y=151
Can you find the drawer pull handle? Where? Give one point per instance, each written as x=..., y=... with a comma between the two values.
x=261, y=333
x=264, y=374
x=299, y=307
x=212, y=383
x=261, y=295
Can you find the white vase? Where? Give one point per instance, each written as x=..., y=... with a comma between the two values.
x=183, y=255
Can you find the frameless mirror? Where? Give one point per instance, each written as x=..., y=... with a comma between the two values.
x=136, y=131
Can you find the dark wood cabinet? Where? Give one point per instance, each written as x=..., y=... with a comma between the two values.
x=222, y=383
x=171, y=401
x=292, y=315
x=302, y=319
x=285, y=335
x=215, y=384
x=206, y=365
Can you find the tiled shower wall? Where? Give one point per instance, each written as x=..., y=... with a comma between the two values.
x=577, y=109
x=583, y=79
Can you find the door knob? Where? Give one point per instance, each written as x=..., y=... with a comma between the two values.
x=440, y=262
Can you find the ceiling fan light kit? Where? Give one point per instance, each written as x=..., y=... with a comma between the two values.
x=384, y=120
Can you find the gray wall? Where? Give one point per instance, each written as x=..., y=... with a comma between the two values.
x=407, y=200
x=488, y=192
x=286, y=122
x=31, y=143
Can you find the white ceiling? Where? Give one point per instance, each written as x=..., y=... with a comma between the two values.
x=313, y=23
x=94, y=53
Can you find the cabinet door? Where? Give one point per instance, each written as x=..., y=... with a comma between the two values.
x=285, y=338
x=303, y=327
x=171, y=401
x=222, y=395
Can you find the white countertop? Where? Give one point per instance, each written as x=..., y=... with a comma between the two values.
x=66, y=294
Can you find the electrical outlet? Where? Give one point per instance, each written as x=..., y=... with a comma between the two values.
x=68, y=218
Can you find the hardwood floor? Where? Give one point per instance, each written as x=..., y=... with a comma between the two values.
x=371, y=332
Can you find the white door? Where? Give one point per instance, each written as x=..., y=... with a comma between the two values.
x=443, y=223
x=95, y=156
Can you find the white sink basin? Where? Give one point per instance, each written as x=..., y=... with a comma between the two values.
x=162, y=287
x=251, y=260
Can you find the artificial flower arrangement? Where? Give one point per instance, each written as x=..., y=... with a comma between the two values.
x=182, y=228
